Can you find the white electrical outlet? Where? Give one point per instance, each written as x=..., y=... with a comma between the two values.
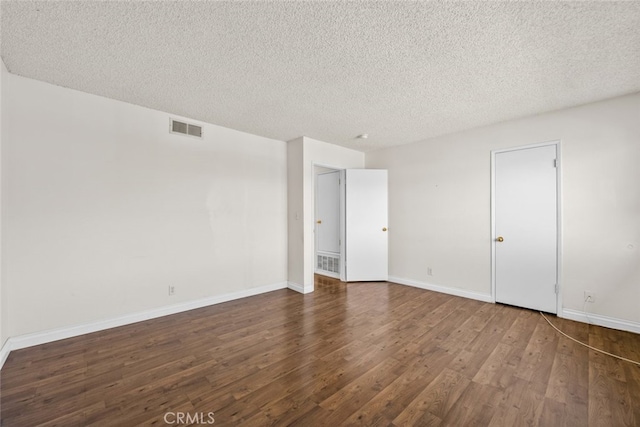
x=589, y=296
x=429, y=271
x=172, y=290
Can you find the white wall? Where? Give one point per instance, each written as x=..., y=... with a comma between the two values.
x=295, y=212
x=3, y=312
x=104, y=209
x=439, y=192
x=309, y=152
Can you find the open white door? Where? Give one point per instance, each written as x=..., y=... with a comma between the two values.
x=526, y=227
x=365, y=225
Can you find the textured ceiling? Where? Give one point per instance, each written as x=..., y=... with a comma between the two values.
x=399, y=71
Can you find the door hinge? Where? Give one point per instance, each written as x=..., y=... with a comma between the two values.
x=555, y=163
x=557, y=288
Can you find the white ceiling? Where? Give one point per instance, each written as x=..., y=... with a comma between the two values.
x=399, y=71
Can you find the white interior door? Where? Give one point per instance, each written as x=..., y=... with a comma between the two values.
x=526, y=234
x=365, y=225
x=327, y=230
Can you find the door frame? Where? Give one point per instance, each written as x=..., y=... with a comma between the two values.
x=558, y=145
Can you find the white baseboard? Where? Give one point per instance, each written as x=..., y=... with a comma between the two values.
x=300, y=288
x=4, y=352
x=600, y=320
x=442, y=289
x=29, y=340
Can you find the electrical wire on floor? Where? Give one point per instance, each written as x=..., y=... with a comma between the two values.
x=587, y=345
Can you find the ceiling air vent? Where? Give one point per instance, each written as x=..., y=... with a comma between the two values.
x=185, y=128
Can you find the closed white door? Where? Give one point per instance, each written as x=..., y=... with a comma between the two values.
x=526, y=234
x=366, y=222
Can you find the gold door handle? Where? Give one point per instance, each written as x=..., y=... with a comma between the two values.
x=319, y=221
x=500, y=239
x=384, y=228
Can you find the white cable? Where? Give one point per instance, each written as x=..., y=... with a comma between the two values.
x=587, y=345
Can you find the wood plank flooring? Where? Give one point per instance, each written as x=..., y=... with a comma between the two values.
x=374, y=354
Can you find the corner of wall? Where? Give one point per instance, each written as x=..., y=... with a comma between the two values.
x=317, y=152
x=295, y=213
x=3, y=99
x=300, y=288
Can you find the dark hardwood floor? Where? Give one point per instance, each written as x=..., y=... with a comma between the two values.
x=347, y=354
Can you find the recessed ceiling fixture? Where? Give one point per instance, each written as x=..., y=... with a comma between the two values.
x=363, y=136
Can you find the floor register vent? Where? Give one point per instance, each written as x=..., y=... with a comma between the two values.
x=184, y=128
x=328, y=263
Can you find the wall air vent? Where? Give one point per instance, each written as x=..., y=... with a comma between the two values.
x=185, y=128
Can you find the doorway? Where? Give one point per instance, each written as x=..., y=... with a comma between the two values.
x=525, y=229
x=327, y=223
x=351, y=224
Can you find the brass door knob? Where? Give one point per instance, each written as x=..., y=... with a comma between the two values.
x=500, y=239
x=319, y=221
x=384, y=228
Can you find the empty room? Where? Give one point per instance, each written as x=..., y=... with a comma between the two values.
x=319, y=213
